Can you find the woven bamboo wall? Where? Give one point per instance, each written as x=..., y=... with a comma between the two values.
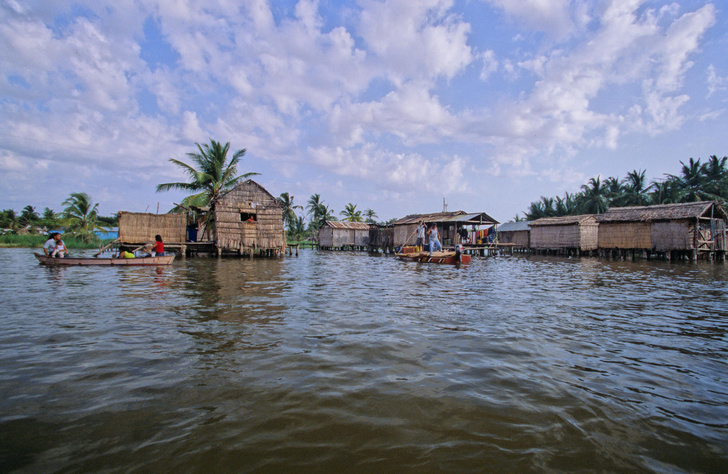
x=518, y=237
x=672, y=236
x=555, y=236
x=589, y=237
x=265, y=233
x=625, y=235
x=137, y=227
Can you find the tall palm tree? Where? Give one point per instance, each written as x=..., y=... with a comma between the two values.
x=29, y=215
x=594, y=199
x=289, y=209
x=315, y=207
x=351, y=214
x=210, y=176
x=689, y=184
x=635, y=191
x=80, y=215
x=715, y=174
x=370, y=215
x=614, y=191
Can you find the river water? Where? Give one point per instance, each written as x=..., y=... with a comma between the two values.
x=349, y=362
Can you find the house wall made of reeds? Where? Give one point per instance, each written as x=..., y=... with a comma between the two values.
x=569, y=236
x=381, y=236
x=625, y=235
x=672, y=235
x=326, y=236
x=232, y=230
x=519, y=237
x=138, y=227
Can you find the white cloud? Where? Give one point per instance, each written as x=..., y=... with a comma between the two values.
x=558, y=18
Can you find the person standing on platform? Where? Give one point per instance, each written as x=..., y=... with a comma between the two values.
x=434, y=239
x=420, y=236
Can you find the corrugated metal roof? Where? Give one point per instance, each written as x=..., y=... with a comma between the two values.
x=348, y=225
x=457, y=216
x=514, y=226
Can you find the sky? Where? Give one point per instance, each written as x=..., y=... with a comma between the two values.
x=398, y=106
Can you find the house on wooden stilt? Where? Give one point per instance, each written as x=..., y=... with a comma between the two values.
x=248, y=220
x=685, y=230
x=340, y=235
x=565, y=235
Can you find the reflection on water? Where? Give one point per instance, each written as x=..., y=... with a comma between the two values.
x=345, y=361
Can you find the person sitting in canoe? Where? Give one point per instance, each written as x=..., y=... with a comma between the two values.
x=157, y=249
x=54, y=246
x=123, y=253
x=434, y=239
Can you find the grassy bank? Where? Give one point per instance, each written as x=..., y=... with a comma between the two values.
x=37, y=241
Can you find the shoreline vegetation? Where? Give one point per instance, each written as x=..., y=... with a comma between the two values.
x=37, y=241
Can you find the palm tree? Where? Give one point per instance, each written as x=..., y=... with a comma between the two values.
x=8, y=219
x=370, y=215
x=316, y=209
x=289, y=209
x=594, y=200
x=210, y=176
x=614, y=191
x=351, y=214
x=689, y=184
x=635, y=191
x=80, y=215
x=29, y=215
x=715, y=174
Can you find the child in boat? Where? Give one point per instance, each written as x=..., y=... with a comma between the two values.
x=60, y=250
x=123, y=253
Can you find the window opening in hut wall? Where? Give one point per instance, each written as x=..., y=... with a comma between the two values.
x=248, y=217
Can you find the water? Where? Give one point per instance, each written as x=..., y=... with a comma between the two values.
x=349, y=362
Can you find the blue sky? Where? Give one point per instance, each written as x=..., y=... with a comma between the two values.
x=392, y=105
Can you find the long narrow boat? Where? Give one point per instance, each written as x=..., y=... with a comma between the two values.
x=88, y=261
x=450, y=258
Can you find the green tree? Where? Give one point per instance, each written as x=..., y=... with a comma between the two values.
x=614, y=191
x=8, y=219
x=715, y=174
x=594, y=199
x=210, y=175
x=80, y=216
x=635, y=189
x=351, y=214
x=289, y=210
x=29, y=216
x=370, y=216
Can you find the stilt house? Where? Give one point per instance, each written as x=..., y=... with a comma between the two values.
x=518, y=233
x=695, y=226
x=248, y=219
x=342, y=234
x=136, y=228
x=565, y=234
x=450, y=226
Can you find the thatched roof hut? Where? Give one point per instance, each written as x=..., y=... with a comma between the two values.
x=579, y=233
x=247, y=219
x=518, y=233
x=340, y=234
x=138, y=227
x=664, y=227
x=449, y=224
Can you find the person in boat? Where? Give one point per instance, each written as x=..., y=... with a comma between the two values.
x=434, y=239
x=50, y=245
x=420, y=235
x=60, y=251
x=157, y=249
x=124, y=253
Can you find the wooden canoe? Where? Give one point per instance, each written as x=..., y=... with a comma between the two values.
x=449, y=258
x=88, y=261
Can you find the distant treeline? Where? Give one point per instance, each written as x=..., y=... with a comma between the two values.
x=696, y=182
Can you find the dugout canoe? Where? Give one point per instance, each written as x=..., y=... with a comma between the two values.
x=448, y=258
x=120, y=262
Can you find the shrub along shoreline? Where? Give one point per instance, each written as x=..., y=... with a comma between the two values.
x=37, y=241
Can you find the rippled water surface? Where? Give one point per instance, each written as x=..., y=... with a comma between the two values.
x=351, y=362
